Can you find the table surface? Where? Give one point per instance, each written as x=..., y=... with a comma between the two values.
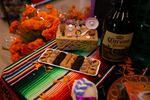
x=104, y=83
x=4, y=54
x=19, y=71
x=108, y=73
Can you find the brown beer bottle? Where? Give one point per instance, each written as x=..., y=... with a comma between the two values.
x=117, y=33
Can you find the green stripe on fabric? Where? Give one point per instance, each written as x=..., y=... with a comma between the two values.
x=36, y=86
x=27, y=81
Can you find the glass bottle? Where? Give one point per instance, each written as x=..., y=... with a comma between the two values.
x=117, y=33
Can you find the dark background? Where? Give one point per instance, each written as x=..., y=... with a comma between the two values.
x=140, y=12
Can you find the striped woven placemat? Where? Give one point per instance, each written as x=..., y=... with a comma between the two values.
x=30, y=83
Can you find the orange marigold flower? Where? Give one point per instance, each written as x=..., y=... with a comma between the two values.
x=49, y=6
x=29, y=10
x=73, y=12
x=23, y=18
x=33, y=24
x=15, y=57
x=25, y=49
x=15, y=49
x=37, y=65
x=47, y=34
x=54, y=12
x=35, y=44
x=42, y=14
x=13, y=26
x=11, y=30
x=50, y=18
x=47, y=23
x=17, y=41
x=51, y=32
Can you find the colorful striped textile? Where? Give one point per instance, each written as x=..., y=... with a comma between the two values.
x=31, y=84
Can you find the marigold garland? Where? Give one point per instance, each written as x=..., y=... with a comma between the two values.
x=35, y=28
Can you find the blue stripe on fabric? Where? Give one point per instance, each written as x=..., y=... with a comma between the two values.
x=22, y=77
x=24, y=67
x=20, y=70
x=15, y=73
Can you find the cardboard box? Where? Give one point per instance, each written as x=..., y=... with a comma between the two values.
x=72, y=40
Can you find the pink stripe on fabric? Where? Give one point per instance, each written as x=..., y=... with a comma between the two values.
x=24, y=72
x=6, y=72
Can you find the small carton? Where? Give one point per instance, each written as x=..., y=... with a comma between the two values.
x=73, y=38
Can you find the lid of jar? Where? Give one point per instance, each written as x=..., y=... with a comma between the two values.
x=92, y=23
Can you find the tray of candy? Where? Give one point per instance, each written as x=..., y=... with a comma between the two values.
x=70, y=61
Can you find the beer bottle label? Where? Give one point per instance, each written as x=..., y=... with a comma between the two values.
x=115, y=46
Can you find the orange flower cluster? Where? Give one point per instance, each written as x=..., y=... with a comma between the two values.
x=34, y=26
x=73, y=12
x=19, y=49
x=30, y=10
x=51, y=30
x=13, y=26
x=36, y=20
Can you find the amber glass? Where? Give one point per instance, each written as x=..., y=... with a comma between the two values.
x=118, y=22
